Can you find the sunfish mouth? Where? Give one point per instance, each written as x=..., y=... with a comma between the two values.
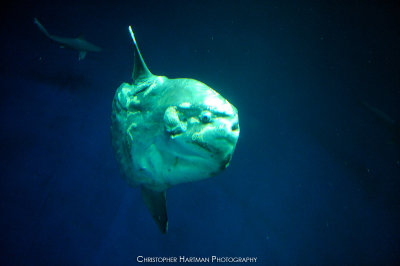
x=221, y=138
x=231, y=135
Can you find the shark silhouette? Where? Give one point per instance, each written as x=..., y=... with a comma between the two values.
x=79, y=44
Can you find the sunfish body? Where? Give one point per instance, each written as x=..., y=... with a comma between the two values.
x=79, y=44
x=169, y=131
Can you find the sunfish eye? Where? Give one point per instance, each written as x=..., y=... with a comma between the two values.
x=205, y=117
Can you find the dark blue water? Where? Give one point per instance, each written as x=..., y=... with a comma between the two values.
x=315, y=178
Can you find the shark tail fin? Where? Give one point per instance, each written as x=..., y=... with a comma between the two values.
x=140, y=70
x=41, y=28
x=156, y=202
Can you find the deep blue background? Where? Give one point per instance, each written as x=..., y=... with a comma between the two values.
x=315, y=177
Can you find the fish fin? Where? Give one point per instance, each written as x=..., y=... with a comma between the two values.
x=156, y=203
x=140, y=70
x=81, y=36
x=41, y=27
x=82, y=55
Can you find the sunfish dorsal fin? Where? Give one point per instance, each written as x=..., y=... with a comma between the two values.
x=140, y=70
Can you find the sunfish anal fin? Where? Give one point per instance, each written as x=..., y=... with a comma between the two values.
x=156, y=202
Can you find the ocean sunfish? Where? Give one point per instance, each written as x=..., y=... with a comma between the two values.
x=169, y=131
x=79, y=44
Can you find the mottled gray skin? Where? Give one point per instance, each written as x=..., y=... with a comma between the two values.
x=170, y=131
